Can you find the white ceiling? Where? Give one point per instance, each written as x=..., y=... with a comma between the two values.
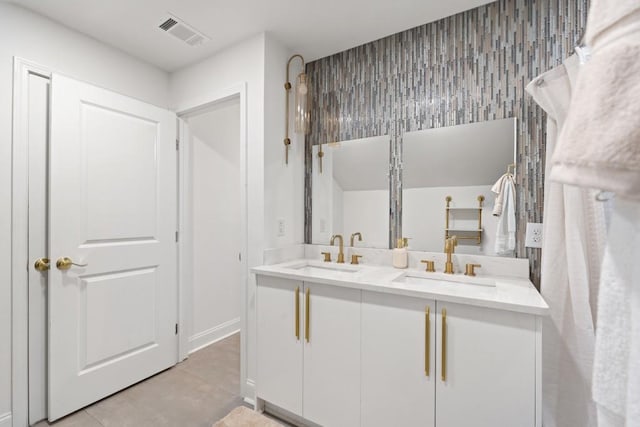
x=313, y=28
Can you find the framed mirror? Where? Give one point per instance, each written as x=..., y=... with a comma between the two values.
x=457, y=166
x=351, y=193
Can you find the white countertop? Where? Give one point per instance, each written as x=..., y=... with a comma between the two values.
x=509, y=293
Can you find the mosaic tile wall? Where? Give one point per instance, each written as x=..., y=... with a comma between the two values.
x=469, y=67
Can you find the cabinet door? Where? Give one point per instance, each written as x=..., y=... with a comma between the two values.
x=486, y=367
x=332, y=356
x=398, y=361
x=279, y=348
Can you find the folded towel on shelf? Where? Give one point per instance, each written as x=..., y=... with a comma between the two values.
x=506, y=228
x=599, y=146
x=498, y=188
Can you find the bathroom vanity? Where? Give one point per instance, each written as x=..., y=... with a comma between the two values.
x=370, y=345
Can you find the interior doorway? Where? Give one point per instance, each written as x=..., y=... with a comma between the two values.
x=212, y=145
x=213, y=222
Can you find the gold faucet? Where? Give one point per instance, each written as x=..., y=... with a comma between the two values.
x=449, y=248
x=358, y=235
x=341, y=252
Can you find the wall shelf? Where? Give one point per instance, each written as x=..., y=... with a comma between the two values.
x=448, y=232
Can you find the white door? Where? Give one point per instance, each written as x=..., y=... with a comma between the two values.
x=488, y=357
x=279, y=342
x=332, y=356
x=398, y=360
x=112, y=318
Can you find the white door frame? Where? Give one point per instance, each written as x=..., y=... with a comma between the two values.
x=184, y=222
x=20, y=240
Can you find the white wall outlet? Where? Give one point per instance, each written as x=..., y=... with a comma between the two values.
x=533, y=238
x=281, y=228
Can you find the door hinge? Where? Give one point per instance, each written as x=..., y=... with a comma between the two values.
x=176, y=236
x=176, y=329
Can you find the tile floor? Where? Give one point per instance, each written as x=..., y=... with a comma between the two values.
x=196, y=392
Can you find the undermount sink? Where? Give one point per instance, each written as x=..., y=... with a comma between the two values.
x=437, y=278
x=308, y=268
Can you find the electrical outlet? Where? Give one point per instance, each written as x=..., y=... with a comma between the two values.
x=533, y=238
x=281, y=229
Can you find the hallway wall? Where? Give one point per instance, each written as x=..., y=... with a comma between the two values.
x=216, y=212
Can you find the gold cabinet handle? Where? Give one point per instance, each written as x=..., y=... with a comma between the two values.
x=427, y=338
x=65, y=263
x=298, y=313
x=306, y=316
x=444, y=344
x=42, y=264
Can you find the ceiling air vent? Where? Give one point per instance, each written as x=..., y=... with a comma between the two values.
x=183, y=31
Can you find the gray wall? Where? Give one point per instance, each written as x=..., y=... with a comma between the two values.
x=466, y=68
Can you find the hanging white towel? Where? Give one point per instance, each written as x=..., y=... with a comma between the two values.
x=574, y=231
x=506, y=229
x=498, y=188
x=616, y=370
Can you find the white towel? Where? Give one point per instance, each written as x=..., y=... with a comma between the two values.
x=498, y=188
x=575, y=232
x=616, y=370
x=599, y=146
x=506, y=229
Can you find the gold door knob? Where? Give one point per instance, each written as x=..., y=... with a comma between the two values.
x=65, y=263
x=42, y=264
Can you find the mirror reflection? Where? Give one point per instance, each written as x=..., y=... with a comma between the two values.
x=457, y=166
x=351, y=193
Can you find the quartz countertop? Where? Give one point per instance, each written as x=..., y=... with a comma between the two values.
x=509, y=293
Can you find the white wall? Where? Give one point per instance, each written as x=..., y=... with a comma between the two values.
x=283, y=184
x=40, y=40
x=216, y=213
x=423, y=217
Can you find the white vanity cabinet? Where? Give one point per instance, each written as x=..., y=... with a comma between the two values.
x=488, y=357
x=398, y=360
x=369, y=358
x=279, y=363
x=490, y=370
x=312, y=370
x=332, y=356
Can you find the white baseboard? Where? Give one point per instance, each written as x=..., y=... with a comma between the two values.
x=5, y=420
x=249, y=391
x=208, y=337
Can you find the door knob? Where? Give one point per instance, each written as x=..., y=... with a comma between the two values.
x=65, y=263
x=42, y=264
